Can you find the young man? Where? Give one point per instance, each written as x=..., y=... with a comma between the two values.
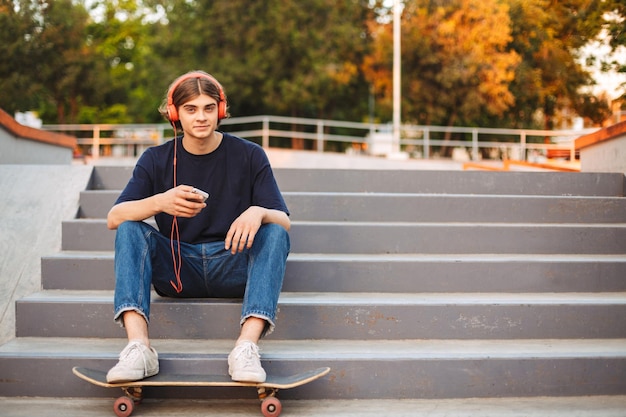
x=233, y=244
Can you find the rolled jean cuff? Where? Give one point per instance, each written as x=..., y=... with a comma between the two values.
x=118, y=318
x=269, y=323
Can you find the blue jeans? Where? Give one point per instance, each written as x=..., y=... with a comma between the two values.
x=143, y=257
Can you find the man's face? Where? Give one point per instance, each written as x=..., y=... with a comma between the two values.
x=198, y=117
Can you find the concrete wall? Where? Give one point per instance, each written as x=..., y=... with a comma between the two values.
x=21, y=144
x=607, y=156
x=604, y=150
x=15, y=150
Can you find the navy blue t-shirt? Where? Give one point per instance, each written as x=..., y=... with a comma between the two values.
x=236, y=175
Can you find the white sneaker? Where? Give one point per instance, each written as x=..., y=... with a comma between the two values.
x=137, y=361
x=244, y=363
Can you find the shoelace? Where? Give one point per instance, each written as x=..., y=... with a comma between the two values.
x=247, y=352
x=132, y=352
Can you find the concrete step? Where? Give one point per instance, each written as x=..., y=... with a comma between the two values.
x=461, y=238
x=428, y=182
x=421, y=207
x=408, y=284
x=374, y=316
x=583, y=406
x=402, y=238
x=451, y=182
x=86, y=270
x=439, y=368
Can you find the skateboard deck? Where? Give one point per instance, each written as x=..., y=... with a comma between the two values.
x=270, y=405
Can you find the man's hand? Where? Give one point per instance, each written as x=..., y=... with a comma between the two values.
x=181, y=202
x=243, y=230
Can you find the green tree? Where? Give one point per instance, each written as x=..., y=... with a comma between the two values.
x=72, y=68
x=123, y=75
x=65, y=58
x=47, y=61
x=282, y=57
x=19, y=47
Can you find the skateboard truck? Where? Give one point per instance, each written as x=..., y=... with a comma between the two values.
x=124, y=405
x=134, y=393
x=270, y=404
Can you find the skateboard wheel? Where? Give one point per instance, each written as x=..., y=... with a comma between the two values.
x=271, y=407
x=123, y=407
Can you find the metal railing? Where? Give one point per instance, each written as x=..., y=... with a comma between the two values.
x=129, y=140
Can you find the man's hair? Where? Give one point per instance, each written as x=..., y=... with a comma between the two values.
x=188, y=90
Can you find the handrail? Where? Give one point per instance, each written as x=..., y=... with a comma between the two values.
x=506, y=166
x=322, y=133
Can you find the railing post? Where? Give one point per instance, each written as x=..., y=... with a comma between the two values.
x=265, y=140
x=426, y=143
x=320, y=136
x=522, y=145
x=161, y=135
x=95, y=146
x=475, y=145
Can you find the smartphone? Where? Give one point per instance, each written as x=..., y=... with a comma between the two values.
x=200, y=192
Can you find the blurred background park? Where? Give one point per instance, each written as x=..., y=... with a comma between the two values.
x=500, y=64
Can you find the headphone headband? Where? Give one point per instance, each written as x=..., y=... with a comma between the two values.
x=172, y=112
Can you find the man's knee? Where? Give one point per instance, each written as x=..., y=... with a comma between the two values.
x=276, y=234
x=131, y=230
x=129, y=227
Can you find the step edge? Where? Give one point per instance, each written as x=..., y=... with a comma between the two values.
x=354, y=298
x=339, y=349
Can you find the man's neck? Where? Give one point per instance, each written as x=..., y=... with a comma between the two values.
x=202, y=146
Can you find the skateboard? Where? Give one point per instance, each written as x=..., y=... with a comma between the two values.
x=133, y=391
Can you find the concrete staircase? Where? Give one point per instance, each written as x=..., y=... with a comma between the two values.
x=409, y=284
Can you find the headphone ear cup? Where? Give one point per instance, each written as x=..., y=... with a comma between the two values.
x=172, y=114
x=221, y=109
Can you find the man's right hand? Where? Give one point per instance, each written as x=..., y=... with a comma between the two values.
x=181, y=202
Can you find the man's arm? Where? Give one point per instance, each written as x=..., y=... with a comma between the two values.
x=179, y=201
x=278, y=217
x=244, y=228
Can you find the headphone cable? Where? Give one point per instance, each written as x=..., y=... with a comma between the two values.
x=175, y=233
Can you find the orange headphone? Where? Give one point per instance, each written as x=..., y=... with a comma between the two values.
x=172, y=113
